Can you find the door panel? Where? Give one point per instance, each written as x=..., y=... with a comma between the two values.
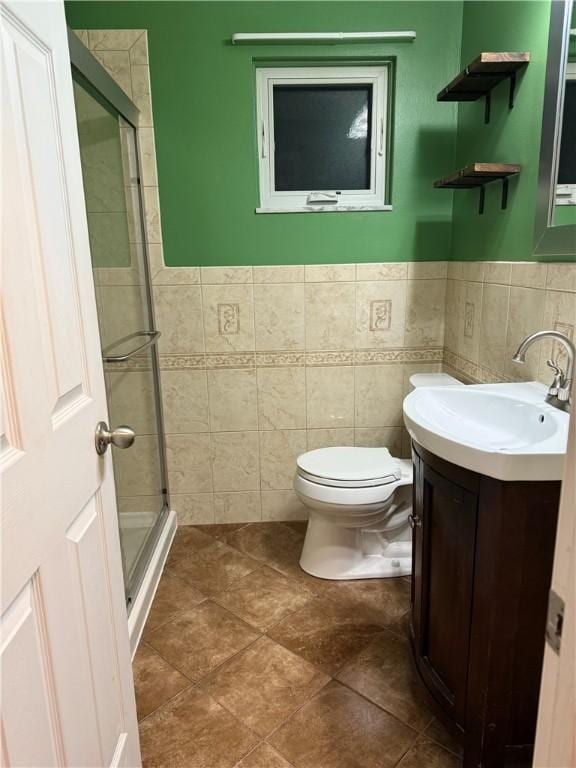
x=28, y=717
x=67, y=690
x=86, y=557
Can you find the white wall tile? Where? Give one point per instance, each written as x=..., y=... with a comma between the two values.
x=179, y=319
x=281, y=398
x=425, y=310
x=330, y=397
x=225, y=275
x=329, y=273
x=235, y=461
x=379, y=390
x=529, y=274
x=232, y=396
x=282, y=505
x=385, y=271
x=427, y=270
x=237, y=507
x=188, y=458
x=561, y=277
x=330, y=309
x=185, y=398
x=278, y=453
x=493, y=327
x=279, y=316
x=525, y=316
x=193, y=508
x=281, y=274
x=327, y=438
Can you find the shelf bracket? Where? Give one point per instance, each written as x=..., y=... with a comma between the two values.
x=482, y=197
x=488, y=97
x=504, y=194
x=512, y=89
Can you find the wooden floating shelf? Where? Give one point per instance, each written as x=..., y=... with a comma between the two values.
x=478, y=175
x=482, y=75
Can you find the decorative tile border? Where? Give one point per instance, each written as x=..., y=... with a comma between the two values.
x=471, y=372
x=137, y=363
x=182, y=362
x=280, y=359
x=231, y=360
x=402, y=355
x=345, y=357
x=242, y=360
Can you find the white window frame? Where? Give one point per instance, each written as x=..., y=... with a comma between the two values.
x=319, y=200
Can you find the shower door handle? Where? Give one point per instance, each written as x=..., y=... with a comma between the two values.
x=121, y=437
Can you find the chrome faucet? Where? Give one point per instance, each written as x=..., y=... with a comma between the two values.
x=559, y=392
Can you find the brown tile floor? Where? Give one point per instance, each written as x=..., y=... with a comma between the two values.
x=247, y=661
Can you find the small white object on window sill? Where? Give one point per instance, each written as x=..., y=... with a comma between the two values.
x=330, y=208
x=565, y=194
x=322, y=197
x=323, y=37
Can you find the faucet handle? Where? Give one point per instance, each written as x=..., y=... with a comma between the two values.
x=555, y=367
x=559, y=375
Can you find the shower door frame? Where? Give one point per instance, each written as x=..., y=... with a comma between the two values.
x=90, y=69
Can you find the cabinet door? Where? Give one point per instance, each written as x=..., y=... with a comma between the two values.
x=445, y=530
x=416, y=582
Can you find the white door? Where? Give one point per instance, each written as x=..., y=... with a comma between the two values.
x=556, y=729
x=67, y=690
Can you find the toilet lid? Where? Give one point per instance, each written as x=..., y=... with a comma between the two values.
x=349, y=466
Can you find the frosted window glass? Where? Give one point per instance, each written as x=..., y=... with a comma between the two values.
x=322, y=137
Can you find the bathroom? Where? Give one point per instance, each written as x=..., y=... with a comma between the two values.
x=326, y=519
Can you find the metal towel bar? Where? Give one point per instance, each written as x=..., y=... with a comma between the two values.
x=153, y=337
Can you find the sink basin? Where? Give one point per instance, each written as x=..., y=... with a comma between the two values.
x=506, y=431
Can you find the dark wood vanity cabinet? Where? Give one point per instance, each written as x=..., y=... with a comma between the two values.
x=482, y=565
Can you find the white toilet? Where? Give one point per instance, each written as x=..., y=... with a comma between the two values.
x=360, y=501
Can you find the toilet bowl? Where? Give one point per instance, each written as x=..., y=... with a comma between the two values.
x=359, y=502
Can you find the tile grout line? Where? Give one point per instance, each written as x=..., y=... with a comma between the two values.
x=419, y=734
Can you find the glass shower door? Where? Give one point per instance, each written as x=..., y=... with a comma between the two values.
x=125, y=316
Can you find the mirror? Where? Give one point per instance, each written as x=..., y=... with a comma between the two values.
x=565, y=201
x=556, y=206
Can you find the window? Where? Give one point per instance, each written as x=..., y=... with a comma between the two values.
x=322, y=138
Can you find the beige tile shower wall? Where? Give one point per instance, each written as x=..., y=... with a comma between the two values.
x=492, y=306
x=260, y=364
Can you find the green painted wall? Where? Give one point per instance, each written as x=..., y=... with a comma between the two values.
x=511, y=137
x=204, y=105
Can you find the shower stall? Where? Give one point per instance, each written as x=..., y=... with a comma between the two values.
x=108, y=133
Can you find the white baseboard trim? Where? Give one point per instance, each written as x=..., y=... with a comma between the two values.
x=145, y=596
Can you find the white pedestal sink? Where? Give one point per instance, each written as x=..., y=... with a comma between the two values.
x=506, y=431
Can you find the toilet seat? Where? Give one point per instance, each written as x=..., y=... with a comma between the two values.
x=349, y=467
x=355, y=499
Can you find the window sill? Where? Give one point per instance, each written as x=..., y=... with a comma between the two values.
x=327, y=209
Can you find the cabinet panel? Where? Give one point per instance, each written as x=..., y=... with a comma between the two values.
x=448, y=526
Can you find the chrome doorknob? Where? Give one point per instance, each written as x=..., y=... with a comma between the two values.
x=121, y=437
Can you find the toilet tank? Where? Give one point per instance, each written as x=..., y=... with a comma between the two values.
x=433, y=380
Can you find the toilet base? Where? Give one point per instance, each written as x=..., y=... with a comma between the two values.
x=335, y=552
